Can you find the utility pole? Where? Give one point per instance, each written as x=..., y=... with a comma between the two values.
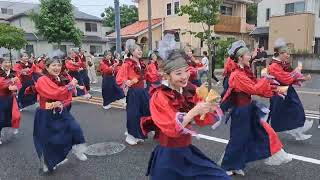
x=149, y=26
x=117, y=25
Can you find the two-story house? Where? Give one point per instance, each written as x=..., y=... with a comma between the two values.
x=94, y=33
x=165, y=19
x=296, y=21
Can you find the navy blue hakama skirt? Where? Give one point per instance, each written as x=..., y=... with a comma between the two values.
x=186, y=163
x=25, y=100
x=6, y=103
x=54, y=134
x=79, y=78
x=251, y=138
x=110, y=90
x=286, y=114
x=137, y=107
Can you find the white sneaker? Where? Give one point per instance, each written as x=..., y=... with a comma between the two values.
x=230, y=173
x=79, y=150
x=319, y=127
x=15, y=131
x=281, y=157
x=302, y=137
x=123, y=101
x=106, y=107
x=131, y=140
x=239, y=172
x=45, y=168
x=87, y=96
x=307, y=126
x=0, y=142
x=81, y=156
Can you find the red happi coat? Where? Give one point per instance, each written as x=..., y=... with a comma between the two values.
x=152, y=74
x=130, y=70
x=82, y=61
x=19, y=67
x=51, y=89
x=106, y=67
x=73, y=64
x=165, y=105
x=229, y=67
x=5, y=82
x=282, y=72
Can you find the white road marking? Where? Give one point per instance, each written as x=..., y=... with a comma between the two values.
x=296, y=157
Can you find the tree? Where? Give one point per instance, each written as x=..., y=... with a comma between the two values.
x=205, y=12
x=11, y=38
x=222, y=50
x=128, y=14
x=252, y=13
x=56, y=22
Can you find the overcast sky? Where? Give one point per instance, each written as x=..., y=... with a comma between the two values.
x=93, y=7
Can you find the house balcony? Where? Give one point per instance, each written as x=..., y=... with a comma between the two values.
x=228, y=24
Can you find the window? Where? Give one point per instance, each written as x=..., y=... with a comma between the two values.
x=63, y=48
x=10, y=11
x=226, y=10
x=96, y=49
x=29, y=49
x=169, y=9
x=91, y=27
x=268, y=14
x=297, y=7
x=176, y=7
x=4, y=11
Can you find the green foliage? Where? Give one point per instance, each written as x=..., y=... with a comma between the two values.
x=205, y=12
x=222, y=50
x=252, y=13
x=128, y=14
x=11, y=37
x=56, y=22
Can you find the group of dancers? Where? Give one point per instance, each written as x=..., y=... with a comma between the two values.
x=162, y=97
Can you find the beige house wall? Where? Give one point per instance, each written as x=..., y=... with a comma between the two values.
x=298, y=31
x=156, y=36
x=24, y=23
x=159, y=10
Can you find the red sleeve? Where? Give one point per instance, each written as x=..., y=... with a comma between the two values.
x=41, y=65
x=122, y=75
x=193, y=73
x=282, y=76
x=152, y=73
x=70, y=66
x=49, y=90
x=3, y=83
x=243, y=83
x=17, y=68
x=105, y=69
x=164, y=115
x=229, y=67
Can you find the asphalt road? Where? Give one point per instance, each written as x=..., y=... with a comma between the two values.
x=19, y=161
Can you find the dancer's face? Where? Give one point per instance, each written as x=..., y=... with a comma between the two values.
x=6, y=65
x=284, y=56
x=154, y=57
x=24, y=58
x=179, y=78
x=54, y=68
x=137, y=53
x=245, y=59
x=109, y=56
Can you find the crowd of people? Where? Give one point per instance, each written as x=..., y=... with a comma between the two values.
x=161, y=96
